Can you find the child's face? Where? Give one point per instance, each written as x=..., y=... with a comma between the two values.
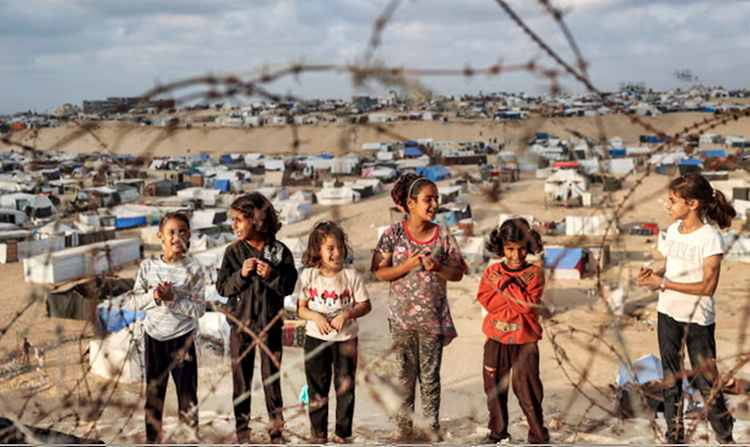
x=175, y=237
x=425, y=205
x=242, y=226
x=515, y=254
x=332, y=254
x=678, y=207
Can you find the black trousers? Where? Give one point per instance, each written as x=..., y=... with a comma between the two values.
x=324, y=360
x=701, y=346
x=242, y=378
x=523, y=360
x=175, y=357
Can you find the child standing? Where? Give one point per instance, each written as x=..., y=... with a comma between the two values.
x=511, y=292
x=170, y=289
x=331, y=297
x=256, y=274
x=693, y=250
x=418, y=259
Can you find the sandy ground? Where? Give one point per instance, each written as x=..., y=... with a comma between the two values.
x=120, y=138
x=576, y=414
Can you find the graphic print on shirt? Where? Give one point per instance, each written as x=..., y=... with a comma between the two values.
x=330, y=299
x=680, y=250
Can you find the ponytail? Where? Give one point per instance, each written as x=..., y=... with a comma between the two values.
x=720, y=211
x=713, y=203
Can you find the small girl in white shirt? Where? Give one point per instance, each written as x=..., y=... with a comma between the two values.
x=330, y=297
x=693, y=250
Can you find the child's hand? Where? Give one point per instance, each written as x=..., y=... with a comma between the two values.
x=263, y=268
x=495, y=277
x=649, y=279
x=341, y=320
x=323, y=325
x=165, y=292
x=414, y=260
x=248, y=266
x=528, y=276
x=430, y=265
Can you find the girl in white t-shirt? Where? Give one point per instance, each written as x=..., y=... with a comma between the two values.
x=693, y=250
x=330, y=297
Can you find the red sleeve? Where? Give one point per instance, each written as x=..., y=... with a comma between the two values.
x=489, y=295
x=531, y=293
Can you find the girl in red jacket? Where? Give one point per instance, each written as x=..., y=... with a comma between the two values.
x=511, y=292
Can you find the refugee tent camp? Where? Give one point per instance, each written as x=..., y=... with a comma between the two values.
x=343, y=195
x=564, y=185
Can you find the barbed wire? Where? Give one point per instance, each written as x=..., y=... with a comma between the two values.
x=371, y=375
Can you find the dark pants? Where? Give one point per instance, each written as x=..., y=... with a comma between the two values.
x=175, y=357
x=419, y=356
x=523, y=360
x=320, y=357
x=242, y=379
x=701, y=346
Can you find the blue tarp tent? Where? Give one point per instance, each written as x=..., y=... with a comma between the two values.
x=222, y=185
x=654, y=139
x=719, y=153
x=646, y=369
x=410, y=143
x=617, y=152
x=447, y=218
x=412, y=152
x=326, y=156
x=690, y=161
x=434, y=173
x=200, y=157
x=226, y=159
x=129, y=222
x=114, y=320
x=562, y=258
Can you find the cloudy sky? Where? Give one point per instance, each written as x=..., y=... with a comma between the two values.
x=63, y=51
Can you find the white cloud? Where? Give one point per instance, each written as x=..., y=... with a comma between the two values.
x=57, y=51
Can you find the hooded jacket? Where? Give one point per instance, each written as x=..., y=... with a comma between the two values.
x=512, y=319
x=255, y=301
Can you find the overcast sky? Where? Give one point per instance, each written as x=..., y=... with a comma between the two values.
x=63, y=51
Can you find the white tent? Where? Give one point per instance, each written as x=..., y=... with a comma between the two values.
x=207, y=196
x=621, y=165
x=472, y=249
x=297, y=246
x=337, y=196
x=727, y=186
x=120, y=356
x=13, y=217
x=274, y=165
x=370, y=146
x=41, y=206
x=589, y=225
x=565, y=184
x=302, y=197
x=291, y=211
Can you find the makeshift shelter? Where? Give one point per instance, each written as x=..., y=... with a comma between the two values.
x=33, y=205
x=17, y=245
x=291, y=211
x=162, y=188
x=473, y=250
x=120, y=356
x=564, y=263
x=222, y=185
x=434, y=173
x=13, y=217
x=590, y=225
x=297, y=246
x=77, y=262
x=564, y=185
x=205, y=195
x=78, y=300
x=450, y=194
x=337, y=196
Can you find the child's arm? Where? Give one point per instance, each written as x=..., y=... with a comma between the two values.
x=489, y=294
x=363, y=307
x=453, y=271
x=230, y=281
x=319, y=319
x=142, y=298
x=193, y=304
x=526, y=290
x=384, y=271
x=706, y=287
x=280, y=278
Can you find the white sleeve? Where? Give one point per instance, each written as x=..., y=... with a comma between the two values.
x=358, y=288
x=713, y=244
x=142, y=297
x=303, y=283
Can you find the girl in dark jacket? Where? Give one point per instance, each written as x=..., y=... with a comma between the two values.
x=256, y=274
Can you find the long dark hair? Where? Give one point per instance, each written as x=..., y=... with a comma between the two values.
x=311, y=256
x=263, y=216
x=712, y=203
x=514, y=230
x=408, y=187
